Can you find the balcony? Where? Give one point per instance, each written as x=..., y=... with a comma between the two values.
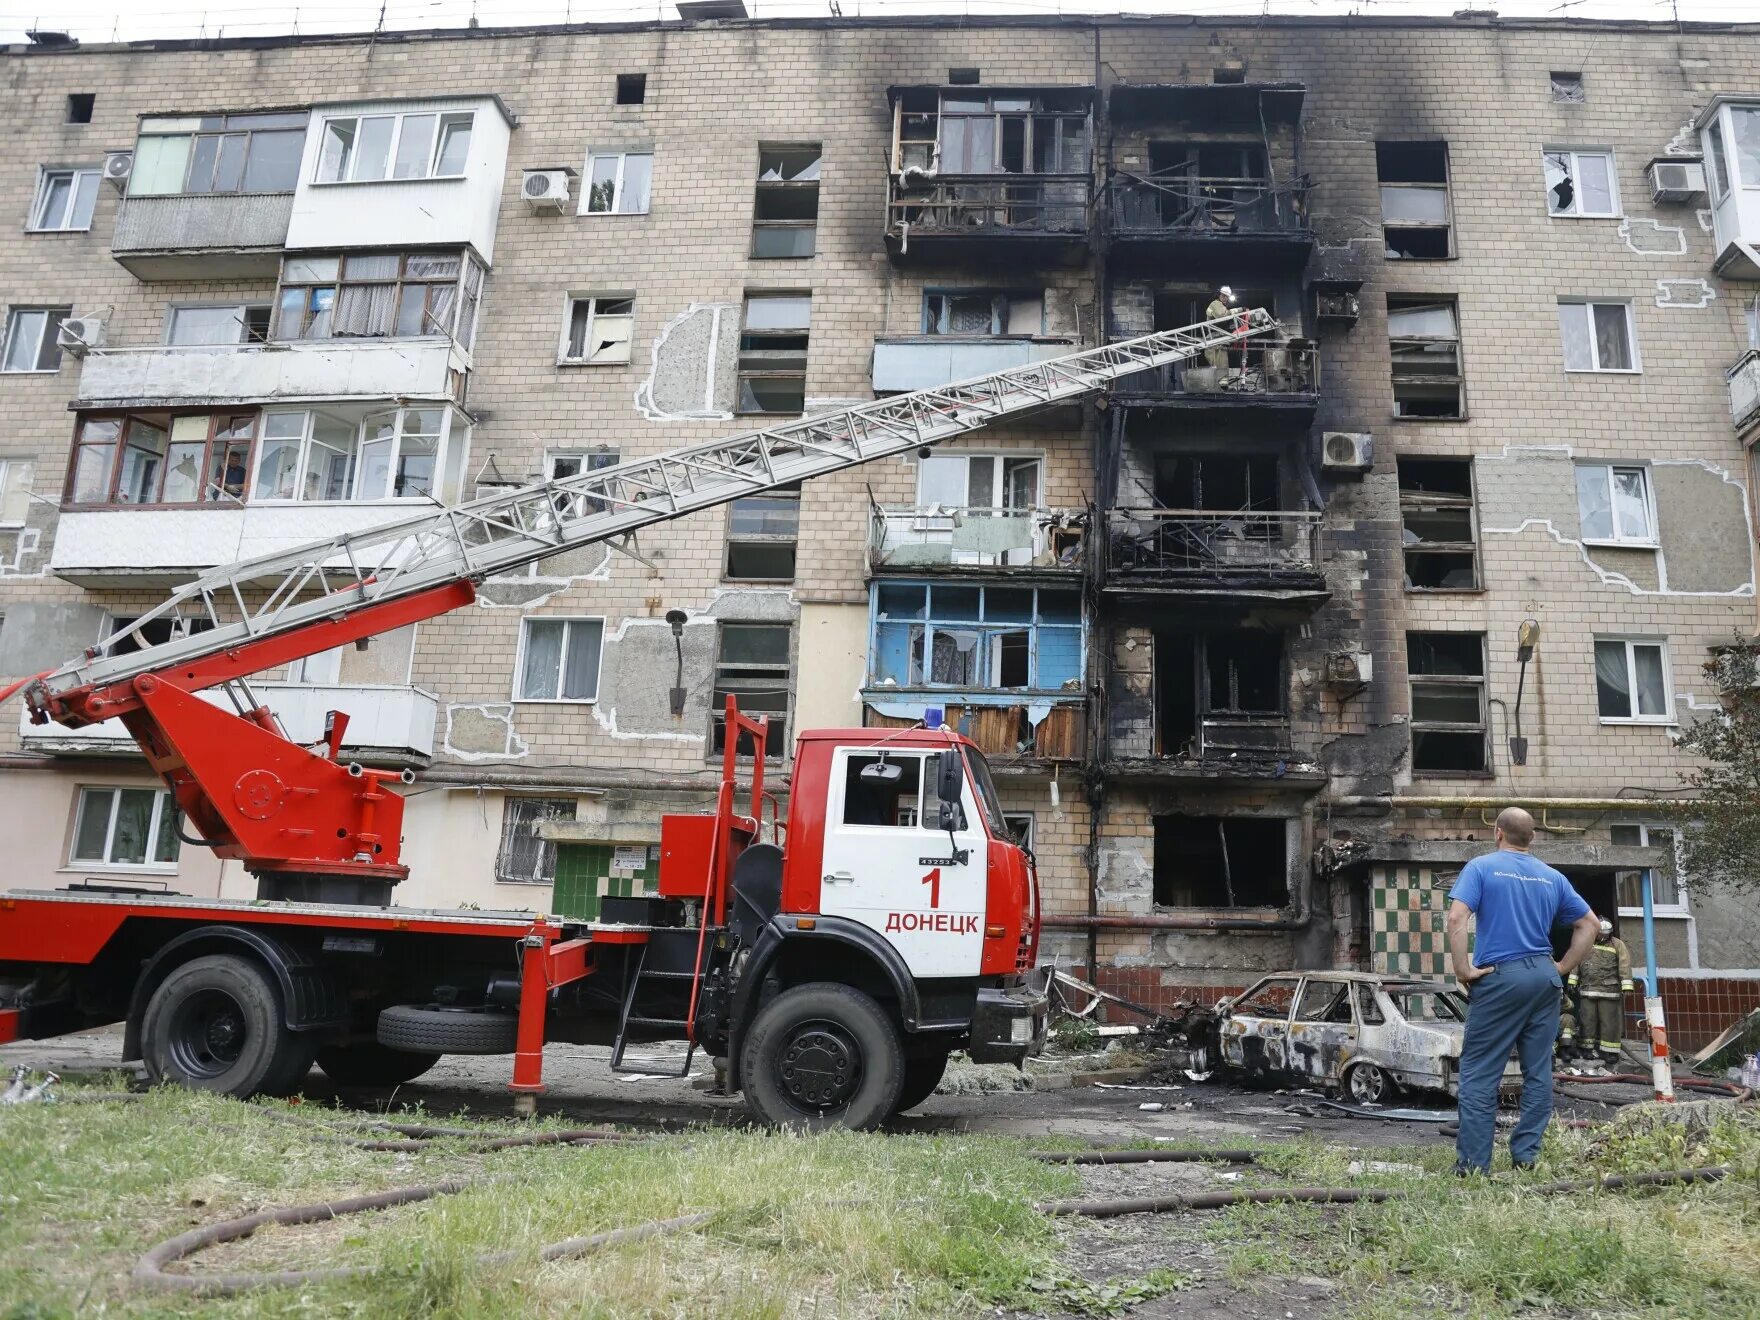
x=124, y=547
x=1182, y=218
x=920, y=362
x=919, y=539
x=389, y=725
x=1211, y=552
x=432, y=367
x=1281, y=377
x=1727, y=129
x=1744, y=393
x=202, y=236
x=934, y=218
x=1019, y=735
x=1245, y=748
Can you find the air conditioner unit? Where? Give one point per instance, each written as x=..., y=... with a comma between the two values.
x=79, y=335
x=1349, y=668
x=118, y=165
x=1347, y=451
x=545, y=189
x=1678, y=180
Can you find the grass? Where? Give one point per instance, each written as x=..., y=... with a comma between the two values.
x=838, y=1224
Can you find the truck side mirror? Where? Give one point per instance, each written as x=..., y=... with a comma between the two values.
x=949, y=783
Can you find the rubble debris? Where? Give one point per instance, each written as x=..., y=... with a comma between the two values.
x=1397, y=1115
x=1740, y=1039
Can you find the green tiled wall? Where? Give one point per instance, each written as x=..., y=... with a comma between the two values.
x=583, y=877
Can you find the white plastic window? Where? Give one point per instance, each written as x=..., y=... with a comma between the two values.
x=372, y=148
x=1598, y=336
x=65, y=200
x=124, y=827
x=617, y=183
x=1614, y=504
x=1632, y=681
x=1581, y=183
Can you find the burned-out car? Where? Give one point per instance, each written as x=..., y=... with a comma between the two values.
x=1362, y=1034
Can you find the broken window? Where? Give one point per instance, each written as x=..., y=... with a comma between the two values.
x=618, y=182
x=1567, y=88
x=65, y=200
x=15, y=491
x=1597, y=336
x=1580, y=183
x=762, y=532
x=526, y=858
x=599, y=330
x=154, y=632
x=1448, y=702
x=1231, y=483
x=959, y=480
x=1665, y=891
x=632, y=88
x=785, y=212
x=368, y=148
x=192, y=458
x=773, y=353
x=959, y=636
x=572, y=463
x=219, y=154
x=752, y=666
x=1219, y=694
x=1271, y=998
x=378, y=294
x=80, y=106
x=1425, y=346
x=1221, y=862
x=1632, y=681
x=559, y=659
x=1437, y=524
x=1415, y=218
x=219, y=325
x=33, y=339
x=1324, y=1001
x=1614, y=504
x=124, y=827
x=983, y=312
x=1368, y=1006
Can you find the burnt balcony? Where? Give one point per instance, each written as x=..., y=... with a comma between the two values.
x=1281, y=377
x=1212, y=552
x=1744, y=393
x=1032, y=218
x=1184, y=218
x=938, y=538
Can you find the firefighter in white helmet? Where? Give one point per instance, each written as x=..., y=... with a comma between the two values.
x=1602, y=980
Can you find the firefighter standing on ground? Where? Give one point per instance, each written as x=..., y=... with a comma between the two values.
x=1602, y=980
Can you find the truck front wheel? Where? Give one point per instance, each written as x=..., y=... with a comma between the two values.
x=922, y=1074
x=216, y=1024
x=821, y=1056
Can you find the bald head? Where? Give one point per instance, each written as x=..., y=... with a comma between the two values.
x=1517, y=827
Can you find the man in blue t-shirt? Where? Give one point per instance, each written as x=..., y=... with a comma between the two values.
x=1512, y=983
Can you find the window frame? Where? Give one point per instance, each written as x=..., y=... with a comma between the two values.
x=1416, y=501
x=570, y=301
x=243, y=309
x=1413, y=302
x=1574, y=172
x=934, y=320
x=40, y=200
x=1667, y=717
x=1446, y=225
x=1480, y=682
x=757, y=362
x=733, y=538
x=622, y=154
x=1000, y=458
x=393, y=144
x=546, y=849
x=214, y=443
x=156, y=822
x=10, y=470
x=460, y=327
x=221, y=126
x=1631, y=324
x=919, y=633
x=754, y=677
x=519, y=660
x=782, y=186
x=1681, y=906
x=446, y=439
x=54, y=315
x=1651, y=541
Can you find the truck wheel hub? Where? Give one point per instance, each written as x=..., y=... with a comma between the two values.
x=207, y=1034
x=821, y=1066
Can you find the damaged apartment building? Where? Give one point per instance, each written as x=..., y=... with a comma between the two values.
x=1256, y=644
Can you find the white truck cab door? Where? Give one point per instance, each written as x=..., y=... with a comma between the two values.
x=888, y=865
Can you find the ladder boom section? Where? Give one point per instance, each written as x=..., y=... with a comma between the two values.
x=236, y=606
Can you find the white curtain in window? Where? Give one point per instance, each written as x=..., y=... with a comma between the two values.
x=540, y=674
x=366, y=309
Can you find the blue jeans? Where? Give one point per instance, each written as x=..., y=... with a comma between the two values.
x=1515, y=1006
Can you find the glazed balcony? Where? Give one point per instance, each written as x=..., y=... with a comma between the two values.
x=954, y=539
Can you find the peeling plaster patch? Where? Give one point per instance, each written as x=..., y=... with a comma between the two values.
x=1655, y=239
x=487, y=731
x=689, y=406
x=605, y=709
x=1704, y=214
x=26, y=544
x=521, y=591
x=1685, y=141
x=1684, y=293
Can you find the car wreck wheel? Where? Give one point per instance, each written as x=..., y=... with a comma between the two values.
x=1368, y=1084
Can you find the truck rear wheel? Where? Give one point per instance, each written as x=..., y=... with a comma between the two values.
x=822, y=1056
x=922, y=1074
x=367, y=1064
x=216, y=1024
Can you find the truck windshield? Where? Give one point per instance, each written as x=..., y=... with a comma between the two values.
x=987, y=796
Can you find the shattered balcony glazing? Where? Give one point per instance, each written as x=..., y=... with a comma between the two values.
x=936, y=537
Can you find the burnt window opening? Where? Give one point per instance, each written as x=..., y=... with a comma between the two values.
x=962, y=77
x=1568, y=88
x=1448, y=702
x=1232, y=483
x=1424, y=345
x=1219, y=694
x=1416, y=224
x=1437, y=524
x=632, y=88
x=785, y=211
x=1220, y=862
x=80, y=106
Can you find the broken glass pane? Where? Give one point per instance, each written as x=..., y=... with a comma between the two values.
x=788, y=164
x=1630, y=504
x=1594, y=504
x=1561, y=193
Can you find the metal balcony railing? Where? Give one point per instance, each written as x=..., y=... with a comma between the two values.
x=1223, y=732
x=979, y=205
x=1744, y=390
x=944, y=537
x=1205, y=543
x=1185, y=204
x=1289, y=367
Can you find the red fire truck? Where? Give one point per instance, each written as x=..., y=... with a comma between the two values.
x=832, y=960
